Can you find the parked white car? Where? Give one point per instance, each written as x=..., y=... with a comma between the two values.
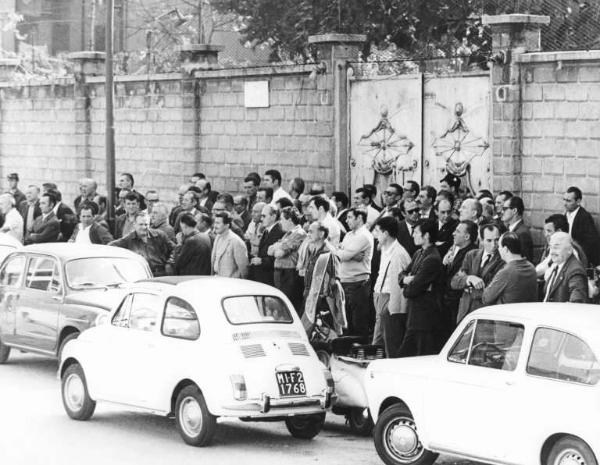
x=200, y=348
x=515, y=384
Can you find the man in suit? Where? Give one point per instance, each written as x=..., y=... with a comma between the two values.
x=581, y=225
x=125, y=223
x=465, y=239
x=512, y=217
x=194, y=255
x=470, y=210
x=89, y=231
x=229, y=256
x=567, y=279
x=87, y=191
x=46, y=227
x=426, y=201
x=477, y=271
x=30, y=208
x=341, y=202
x=65, y=216
x=392, y=198
x=421, y=283
x=446, y=226
x=240, y=207
x=411, y=211
x=262, y=267
x=516, y=281
x=206, y=197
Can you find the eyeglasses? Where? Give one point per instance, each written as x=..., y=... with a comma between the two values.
x=389, y=193
x=506, y=208
x=413, y=211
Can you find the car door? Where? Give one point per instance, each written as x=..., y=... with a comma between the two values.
x=11, y=280
x=469, y=403
x=38, y=309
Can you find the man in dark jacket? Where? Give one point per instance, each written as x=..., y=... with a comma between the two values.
x=512, y=216
x=567, y=279
x=421, y=284
x=581, y=224
x=446, y=226
x=45, y=228
x=194, y=255
x=262, y=267
x=410, y=211
x=89, y=231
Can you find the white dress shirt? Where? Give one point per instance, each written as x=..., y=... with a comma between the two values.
x=83, y=235
x=13, y=224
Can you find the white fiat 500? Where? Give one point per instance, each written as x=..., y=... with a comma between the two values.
x=515, y=384
x=200, y=348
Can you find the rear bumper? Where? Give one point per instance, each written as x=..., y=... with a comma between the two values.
x=267, y=405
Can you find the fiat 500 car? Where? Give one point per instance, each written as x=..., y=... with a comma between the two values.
x=50, y=293
x=200, y=348
x=515, y=384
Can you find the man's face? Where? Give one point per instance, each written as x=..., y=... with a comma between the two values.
x=187, y=201
x=131, y=206
x=560, y=249
x=267, y=216
x=124, y=182
x=313, y=211
x=256, y=212
x=87, y=188
x=122, y=196
x=181, y=192
x=219, y=226
x=549, y=229
x=498, y=204
x=13, y=183
x=261, y=196
x=466, y=211
x=157, y=216
x=45, y=205
x=31, y=194
x=461, y=235
x=490, y=240
x=570, y=202
x=238, y=204
x=508, y=213
x=141, y=225
x=444, y=211
x=423, y=200
x=314, y=233
x=444, y=186
x=152, y=197
x=408, y=192
x=411, y=211
x=357, y=200
x=250, y=189
x=352, y=221
x=218, y=207
x=390, y=197
x=86, y=217
x=268, y=182
x=201, y=184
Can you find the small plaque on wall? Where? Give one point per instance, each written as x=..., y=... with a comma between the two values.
x=256, y=94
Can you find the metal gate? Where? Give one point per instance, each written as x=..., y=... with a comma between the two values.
x=420, y=127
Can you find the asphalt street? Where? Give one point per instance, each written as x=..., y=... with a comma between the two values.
x=34, y=429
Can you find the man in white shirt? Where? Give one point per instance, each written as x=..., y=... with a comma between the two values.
x=88, y=231
x=355, y=254
x=272, y=179
x=362, y=200
x=13, y=221
x=319, y=211
x=390, y=303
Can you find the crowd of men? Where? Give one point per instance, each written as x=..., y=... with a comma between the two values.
x=403, y=273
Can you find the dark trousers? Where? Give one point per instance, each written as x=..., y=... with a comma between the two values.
x=288, y=282
x=394, y=327
x=417, y=342
x=358, y=306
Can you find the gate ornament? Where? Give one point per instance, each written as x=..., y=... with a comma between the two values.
x=459, y=144
x=390, y=149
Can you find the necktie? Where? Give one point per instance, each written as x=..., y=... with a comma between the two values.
x=551, y=280
x=486, y=260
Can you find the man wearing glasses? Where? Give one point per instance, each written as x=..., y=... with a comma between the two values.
x=411, y=212
x=392, y=197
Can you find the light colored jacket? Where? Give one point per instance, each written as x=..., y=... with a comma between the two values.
x=229, y=256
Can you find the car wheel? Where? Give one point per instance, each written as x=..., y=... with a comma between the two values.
x=195, y=423
x=4, y=353
x=360, y=421
x=76, y=399
x=63, y=343
x=396, y=439
x=571, y=451
x=305, y=426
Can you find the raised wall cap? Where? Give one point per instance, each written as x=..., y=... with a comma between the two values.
x=89, y=55
x=337, y=39
x=515, y=18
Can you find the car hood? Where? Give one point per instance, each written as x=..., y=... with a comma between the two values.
x=106, y=299
x=424, y=365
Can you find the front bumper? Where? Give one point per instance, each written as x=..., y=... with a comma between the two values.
x=266, y=404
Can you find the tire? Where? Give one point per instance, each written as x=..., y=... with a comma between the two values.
x=305, y=426
x=395, y=450
x=195, y=423
x=63, y=343
x=359, y=423
x=571, y=450
x=76, y=400
x=4, y=353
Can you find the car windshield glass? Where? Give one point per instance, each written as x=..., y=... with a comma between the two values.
x=85, y=273
x=256, y=309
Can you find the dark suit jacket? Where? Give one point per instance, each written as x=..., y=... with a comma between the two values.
x=405, y=238
x=193, y=258
x=67, y=219
x=98, y=234
x=263, y=273
x=445, y=236
x=44, y=230
x=451, y=295
x=584, y=231
x=522, y=230
x=23, y=207
x=570, y=284
x=423, y=292
x=470, y=299
x=515, y=282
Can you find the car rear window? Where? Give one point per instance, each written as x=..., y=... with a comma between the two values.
x=253, y=309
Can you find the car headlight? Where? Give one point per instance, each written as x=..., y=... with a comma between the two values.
x=101, y=319
x=329, y=381
x=238, y=383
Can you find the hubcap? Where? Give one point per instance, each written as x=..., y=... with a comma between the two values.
x=190, y=415
x=74, y=392
x=569, y=457
x=402, y=440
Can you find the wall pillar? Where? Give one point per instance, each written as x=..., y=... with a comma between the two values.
x=512, y=35
x=335, y=51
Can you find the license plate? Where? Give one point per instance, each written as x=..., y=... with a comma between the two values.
x=290, y=383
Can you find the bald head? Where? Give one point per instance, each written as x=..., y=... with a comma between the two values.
x=561, y=247
x=471, y=210
x=257, y=211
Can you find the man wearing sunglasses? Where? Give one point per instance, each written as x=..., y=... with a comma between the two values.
x=411, y=212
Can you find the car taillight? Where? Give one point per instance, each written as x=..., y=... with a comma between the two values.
x=329, y=381
x=238, y=383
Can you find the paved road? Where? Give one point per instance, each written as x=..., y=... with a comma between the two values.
x=35, y=430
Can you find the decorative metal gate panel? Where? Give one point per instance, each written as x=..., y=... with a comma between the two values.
x=420, y=127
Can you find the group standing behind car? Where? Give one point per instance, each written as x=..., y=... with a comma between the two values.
x=404, y=274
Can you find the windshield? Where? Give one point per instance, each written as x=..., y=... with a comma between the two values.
x=256, y=309
x=85, y=273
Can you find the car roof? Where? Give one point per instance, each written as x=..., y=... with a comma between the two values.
x=214, y=284
x=579, y=319
x=68, y=251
